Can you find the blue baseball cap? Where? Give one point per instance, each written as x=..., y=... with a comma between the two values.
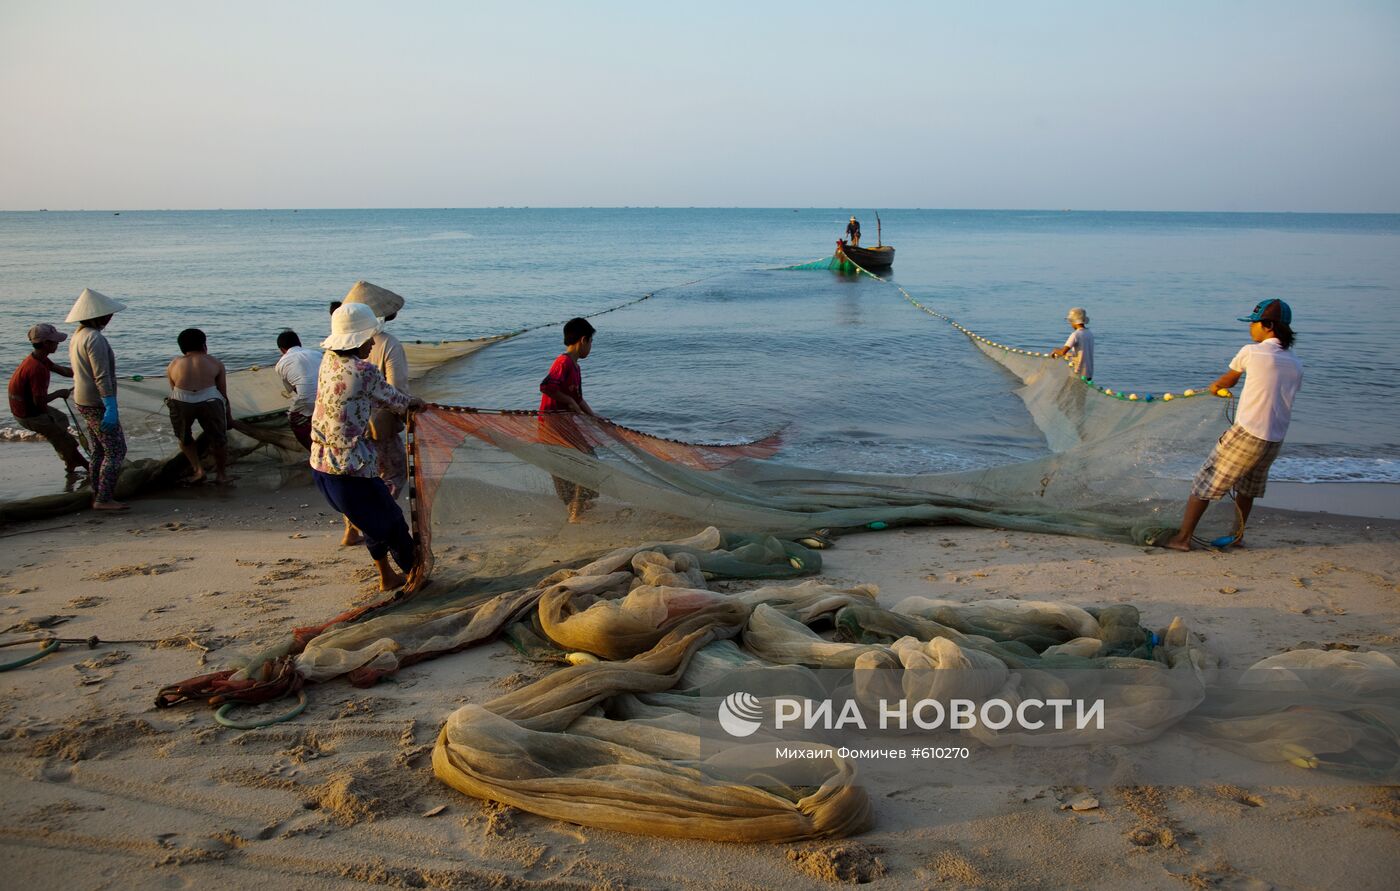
x=1271, y=310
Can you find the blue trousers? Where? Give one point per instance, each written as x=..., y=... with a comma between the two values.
x=367, y=503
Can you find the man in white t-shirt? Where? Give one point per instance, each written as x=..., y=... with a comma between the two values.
x=298, y=368
x=1080, y=344
x=1242, y=456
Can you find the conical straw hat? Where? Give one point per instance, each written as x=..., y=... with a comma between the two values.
x=384, y=303
x=93, y=305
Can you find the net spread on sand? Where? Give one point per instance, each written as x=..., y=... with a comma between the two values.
x=623, y=734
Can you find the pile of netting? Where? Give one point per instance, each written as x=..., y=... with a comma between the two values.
x=650, y=646
x=627, y=731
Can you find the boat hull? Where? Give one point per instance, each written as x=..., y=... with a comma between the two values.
x=881, y=257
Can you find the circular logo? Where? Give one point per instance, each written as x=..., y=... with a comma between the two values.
x=740, y=714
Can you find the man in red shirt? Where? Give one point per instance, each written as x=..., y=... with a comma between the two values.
x=30, y=396
x=562, y=392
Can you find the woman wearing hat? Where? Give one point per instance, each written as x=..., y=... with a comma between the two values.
x=95, y=393
x=344, y=460
x=389, y=357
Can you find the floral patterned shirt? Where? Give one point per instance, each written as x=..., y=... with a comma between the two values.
x=347, y=393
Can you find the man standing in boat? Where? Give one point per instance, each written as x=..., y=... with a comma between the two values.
x=853, y=232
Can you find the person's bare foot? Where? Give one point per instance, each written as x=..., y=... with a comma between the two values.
x=110, y=505
x=196, y=480
x=390, y=580
x=351, y=537
x=1177, y=544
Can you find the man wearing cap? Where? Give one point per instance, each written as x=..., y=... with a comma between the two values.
x=95, y=392
x=30, y=396
x=853, y=232
x=1241, y=458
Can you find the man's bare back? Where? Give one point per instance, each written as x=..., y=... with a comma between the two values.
x=195, y=372
x=195, y=379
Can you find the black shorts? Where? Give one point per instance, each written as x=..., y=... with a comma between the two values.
x=211, y=415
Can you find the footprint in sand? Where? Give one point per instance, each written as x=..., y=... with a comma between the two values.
x=121, y=572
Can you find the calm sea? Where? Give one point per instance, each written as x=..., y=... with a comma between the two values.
x=858, y=378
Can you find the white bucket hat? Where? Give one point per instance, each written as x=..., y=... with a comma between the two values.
x=384, y=303
x=1077, y=316
x=93, y=305
x=351, y=325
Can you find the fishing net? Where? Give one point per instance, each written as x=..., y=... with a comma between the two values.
x=259, y=407
x=633, y=743
x=1117, y=470
x=532, y=524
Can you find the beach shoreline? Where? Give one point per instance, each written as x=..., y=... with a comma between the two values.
x=101, y=787
x=29, y=469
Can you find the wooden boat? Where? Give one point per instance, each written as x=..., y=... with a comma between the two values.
x=878, y=257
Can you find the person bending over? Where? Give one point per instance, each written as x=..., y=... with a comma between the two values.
x=30, y=396
x=298, y=369
x=199, y=393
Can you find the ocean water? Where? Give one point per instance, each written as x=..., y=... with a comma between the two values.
x=732, y=347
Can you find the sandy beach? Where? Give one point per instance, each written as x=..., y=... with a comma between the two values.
x=699, y=319
x=104, y=791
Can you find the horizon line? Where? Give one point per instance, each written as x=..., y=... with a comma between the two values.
x=843, y=208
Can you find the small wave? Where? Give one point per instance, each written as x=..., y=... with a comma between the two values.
x=1336, y=470
x=436, y=236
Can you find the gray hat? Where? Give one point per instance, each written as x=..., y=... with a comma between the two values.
x=46, y=333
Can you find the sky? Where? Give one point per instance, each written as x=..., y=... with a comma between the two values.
x=1184, y=105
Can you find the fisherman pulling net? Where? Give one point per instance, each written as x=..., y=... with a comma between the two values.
x=653, y=641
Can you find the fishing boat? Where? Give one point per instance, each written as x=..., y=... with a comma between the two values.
x=879, y=257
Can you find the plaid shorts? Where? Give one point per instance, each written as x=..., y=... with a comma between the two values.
x=1239, y=461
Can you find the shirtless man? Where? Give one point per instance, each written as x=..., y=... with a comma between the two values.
x=199, y=392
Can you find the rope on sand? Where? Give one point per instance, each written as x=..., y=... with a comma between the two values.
x=49, y=646
x=222, y=715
